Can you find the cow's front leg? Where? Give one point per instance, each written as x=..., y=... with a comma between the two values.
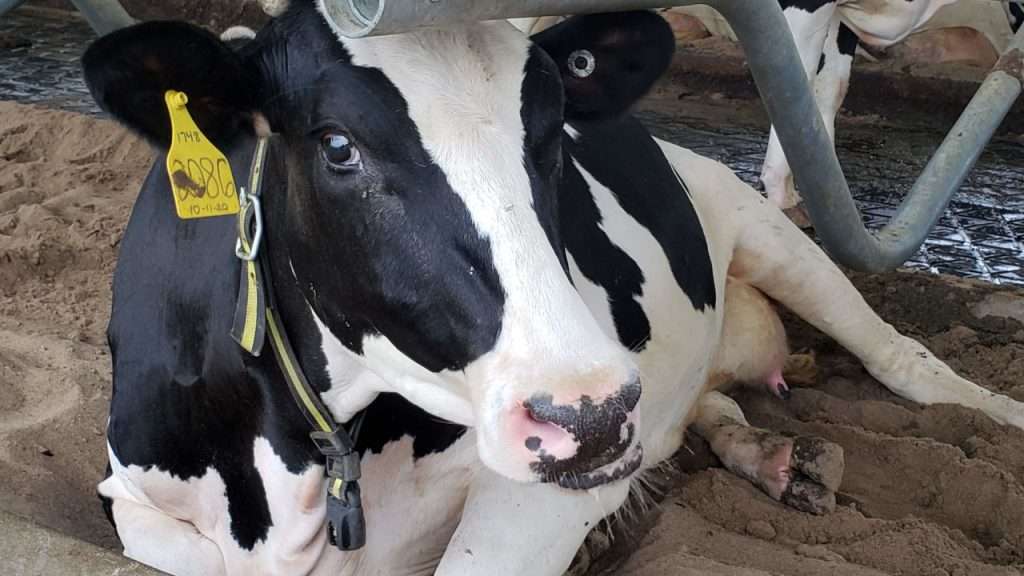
x=803, y=472
x=509, y=529
x=810, y=31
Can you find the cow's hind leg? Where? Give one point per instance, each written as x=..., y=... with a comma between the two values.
x=810, y=29
x=832, y=80
x=803, y=472
x=778, y=259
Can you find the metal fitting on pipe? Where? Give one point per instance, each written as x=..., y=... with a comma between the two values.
x=358, y=18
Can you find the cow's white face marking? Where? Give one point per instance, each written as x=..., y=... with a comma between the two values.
x=464, y=89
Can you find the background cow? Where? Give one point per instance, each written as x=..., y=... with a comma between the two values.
x=827, y=33
x=474, y=246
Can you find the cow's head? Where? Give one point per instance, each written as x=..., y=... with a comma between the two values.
x=422, y=188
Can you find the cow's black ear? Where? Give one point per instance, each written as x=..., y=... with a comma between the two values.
x=608, y=61
x=129, y=71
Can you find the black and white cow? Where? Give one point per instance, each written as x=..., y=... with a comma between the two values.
x=827, y=33
x=1015, y=12
x=477, y=248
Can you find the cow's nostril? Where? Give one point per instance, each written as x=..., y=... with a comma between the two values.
x=540, y=410
x=532, y=414
x=539, y=434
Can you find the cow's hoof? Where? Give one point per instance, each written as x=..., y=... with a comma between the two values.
x=802, y=472
x=820, y=460
x=809, y=497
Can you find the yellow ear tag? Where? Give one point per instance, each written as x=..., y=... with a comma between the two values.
x=200, y=175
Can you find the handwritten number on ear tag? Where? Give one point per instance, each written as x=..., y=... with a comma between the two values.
x=200, y=174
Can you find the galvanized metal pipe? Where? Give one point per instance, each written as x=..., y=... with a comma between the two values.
x=958, y=153
x=104, y=16
x=358, y=18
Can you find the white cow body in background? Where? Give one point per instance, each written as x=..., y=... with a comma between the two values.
x=826, y=35
x=986, y=16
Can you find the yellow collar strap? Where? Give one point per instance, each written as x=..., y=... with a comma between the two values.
x=255, y=318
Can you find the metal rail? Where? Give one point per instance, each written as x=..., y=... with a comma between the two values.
x=785, y=90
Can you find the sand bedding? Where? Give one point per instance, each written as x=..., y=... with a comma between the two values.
x=927, y=491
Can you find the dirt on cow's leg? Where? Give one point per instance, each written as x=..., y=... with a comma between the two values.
x=803, y=472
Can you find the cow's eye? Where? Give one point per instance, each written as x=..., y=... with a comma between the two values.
x=339, y=152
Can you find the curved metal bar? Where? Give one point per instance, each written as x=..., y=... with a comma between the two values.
x=357, y=18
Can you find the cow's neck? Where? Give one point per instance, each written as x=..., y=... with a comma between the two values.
x=332, y=369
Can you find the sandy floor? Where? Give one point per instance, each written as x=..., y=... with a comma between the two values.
x=927, y=491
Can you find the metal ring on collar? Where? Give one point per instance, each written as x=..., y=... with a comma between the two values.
x=252, y=202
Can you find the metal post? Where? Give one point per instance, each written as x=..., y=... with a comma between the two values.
x=8, y=5
x=103, y=16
